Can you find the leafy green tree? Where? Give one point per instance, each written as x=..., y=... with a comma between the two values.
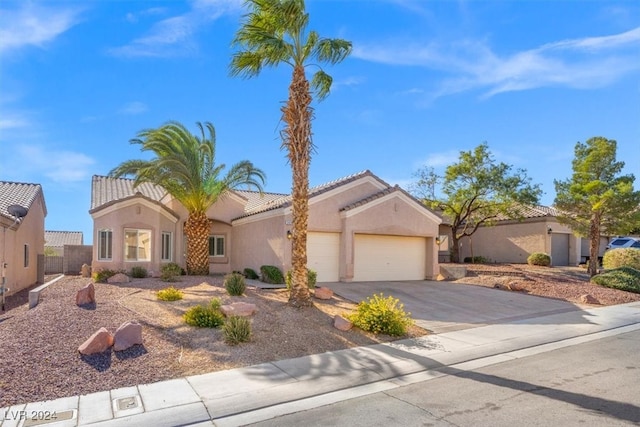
x=475, y=191
x=274, y=32
x=185, y=166
x=596, y=199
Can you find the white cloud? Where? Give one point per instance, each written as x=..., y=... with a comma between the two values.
x=584, y=63
x=439, y=160
x=13, y=122
x=33, y=25
x=134, y=108
x=37, y=161
x=175, y=36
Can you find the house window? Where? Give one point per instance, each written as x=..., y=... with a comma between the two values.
x=216, y=246
x=26, y=255
x=166, y=246
x=137, y=245
x=105, y=241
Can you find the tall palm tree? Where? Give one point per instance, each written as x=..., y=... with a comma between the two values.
x=275, y=32
x=184, y=165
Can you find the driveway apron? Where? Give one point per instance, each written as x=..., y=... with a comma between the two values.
x=443, y=306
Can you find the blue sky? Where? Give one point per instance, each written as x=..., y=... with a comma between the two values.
x=426, y=80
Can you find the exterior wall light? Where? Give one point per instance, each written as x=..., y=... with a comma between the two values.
x=289, y=235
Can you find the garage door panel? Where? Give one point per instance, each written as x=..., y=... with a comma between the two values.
x=323, y=251
x=381, y=257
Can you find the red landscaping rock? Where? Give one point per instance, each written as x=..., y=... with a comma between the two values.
x=323, y=293
x=127, y=335
x=588, y=299
x=119, y=278
x=238, y=309
x=97, y=343
x=341, y=323
x=86, y=295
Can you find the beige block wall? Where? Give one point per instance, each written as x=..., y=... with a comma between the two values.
x=13, y=240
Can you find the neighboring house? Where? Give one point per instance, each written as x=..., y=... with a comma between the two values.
x=512, y=241
x=54, y=241
x=21, y=242
x=360, y=228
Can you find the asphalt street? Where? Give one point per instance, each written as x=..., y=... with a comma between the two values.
x=591, y=384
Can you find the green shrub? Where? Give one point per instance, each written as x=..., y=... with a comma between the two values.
x=169, y=272
x=477, y=260
x=312, y=276
x=381, y=316
x=101, y=276
x=271, y=274
x=215, y=304
x=170, y=294
x=138, y=272
x=539, y=258
x=622, y=257
x=250, y=273
x=623, y=278
x=237, y=329
x=234, y=284
x=203, y=317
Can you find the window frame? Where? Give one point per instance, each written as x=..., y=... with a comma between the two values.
x=216, y=238
x=108, y=244
x=149, y=247
x=166, y=239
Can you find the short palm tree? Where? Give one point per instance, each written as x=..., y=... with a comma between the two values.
x=184, y=165
x=275, y=32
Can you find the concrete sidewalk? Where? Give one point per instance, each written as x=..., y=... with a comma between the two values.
x=255, y=393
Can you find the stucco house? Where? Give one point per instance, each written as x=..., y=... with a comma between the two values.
x=512, y=241
x=55, y=241
x=360, y=228
x=21, y=240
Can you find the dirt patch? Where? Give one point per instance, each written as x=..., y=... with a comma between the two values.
x=40, y=361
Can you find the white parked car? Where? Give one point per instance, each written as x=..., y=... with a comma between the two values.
x=624, y=242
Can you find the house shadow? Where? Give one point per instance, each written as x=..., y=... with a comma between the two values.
x=368, y=365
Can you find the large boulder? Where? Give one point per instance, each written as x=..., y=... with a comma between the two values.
x=323, y=293
x=589, y=299
x=244, y=309
x=119, y=278
x=100, y=341
x=341, y=323
x=127, y=335
x=86, y=295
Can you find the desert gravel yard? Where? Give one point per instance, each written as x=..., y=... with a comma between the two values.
x=39, y=358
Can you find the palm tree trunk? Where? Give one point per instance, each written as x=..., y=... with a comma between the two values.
x=197, y=230
x=297, y=114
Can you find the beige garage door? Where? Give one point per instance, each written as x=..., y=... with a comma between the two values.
x=323, y=255
x=379, y=258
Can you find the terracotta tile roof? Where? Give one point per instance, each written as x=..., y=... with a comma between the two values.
x=528, y=212
x=389, y=190
x=18, y=193
x=106, y=190
x=255, y=199
x=61, y=238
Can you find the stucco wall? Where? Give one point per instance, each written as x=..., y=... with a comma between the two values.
x=395, y=216
x=513, y=242
x=29, y=232
x=257, y=243
x=141, y=216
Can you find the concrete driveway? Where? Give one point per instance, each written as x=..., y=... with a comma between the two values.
x=444, y=307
